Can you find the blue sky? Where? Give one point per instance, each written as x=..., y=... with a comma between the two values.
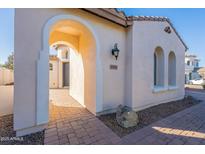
x=6, y=33
x=189, y=23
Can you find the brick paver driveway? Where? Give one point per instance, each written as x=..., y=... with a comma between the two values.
x=75, y=125
x=70, y=123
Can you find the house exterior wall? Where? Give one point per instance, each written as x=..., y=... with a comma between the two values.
x=131, y=84
x=146, y=37
x=77, y=76
x=128, y=67
x=113, y=80
x=29, y=24
x=54, y=74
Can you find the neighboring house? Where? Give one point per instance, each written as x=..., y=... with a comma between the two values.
x=113, y=59
x=191, y=67
x=59, y=67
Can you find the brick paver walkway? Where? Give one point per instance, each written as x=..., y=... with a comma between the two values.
x=73, y=124
x=185, y=127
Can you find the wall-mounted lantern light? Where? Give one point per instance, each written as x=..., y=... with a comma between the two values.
x=115, y=51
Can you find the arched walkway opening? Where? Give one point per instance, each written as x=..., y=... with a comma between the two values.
x=85, y=82
x=79, y=69
x=66, y=75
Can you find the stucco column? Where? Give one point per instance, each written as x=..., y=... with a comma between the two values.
x=27, y=47
x=166, y=74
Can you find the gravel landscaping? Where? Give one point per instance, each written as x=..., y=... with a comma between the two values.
x=7, y=135
x=149, y=115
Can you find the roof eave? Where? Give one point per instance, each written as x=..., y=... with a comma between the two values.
x=108, y=14
x=121, y=19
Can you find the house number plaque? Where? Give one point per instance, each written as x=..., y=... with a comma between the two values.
x=113, y=67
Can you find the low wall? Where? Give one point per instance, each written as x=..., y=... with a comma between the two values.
x=6, y=100
x=6, y=76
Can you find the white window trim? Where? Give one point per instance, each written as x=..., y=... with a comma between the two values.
x=172, y=87
x=159, y=89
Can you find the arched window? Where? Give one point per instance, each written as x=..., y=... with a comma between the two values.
x=158, y=67
x=172, y=69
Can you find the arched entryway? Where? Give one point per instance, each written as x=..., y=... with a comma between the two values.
x=83, y=39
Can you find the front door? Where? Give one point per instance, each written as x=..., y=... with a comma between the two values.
x=66, y=71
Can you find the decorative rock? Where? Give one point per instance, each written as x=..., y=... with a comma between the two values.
x=126, y=117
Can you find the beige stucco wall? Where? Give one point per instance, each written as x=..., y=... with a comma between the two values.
x=76, y=89
x=131, y=84
x=6, y=100
x=28, y=44
x=54, y=74
x=113, y=80
x=60, y=74
x=55, y=36
x=147, y=36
